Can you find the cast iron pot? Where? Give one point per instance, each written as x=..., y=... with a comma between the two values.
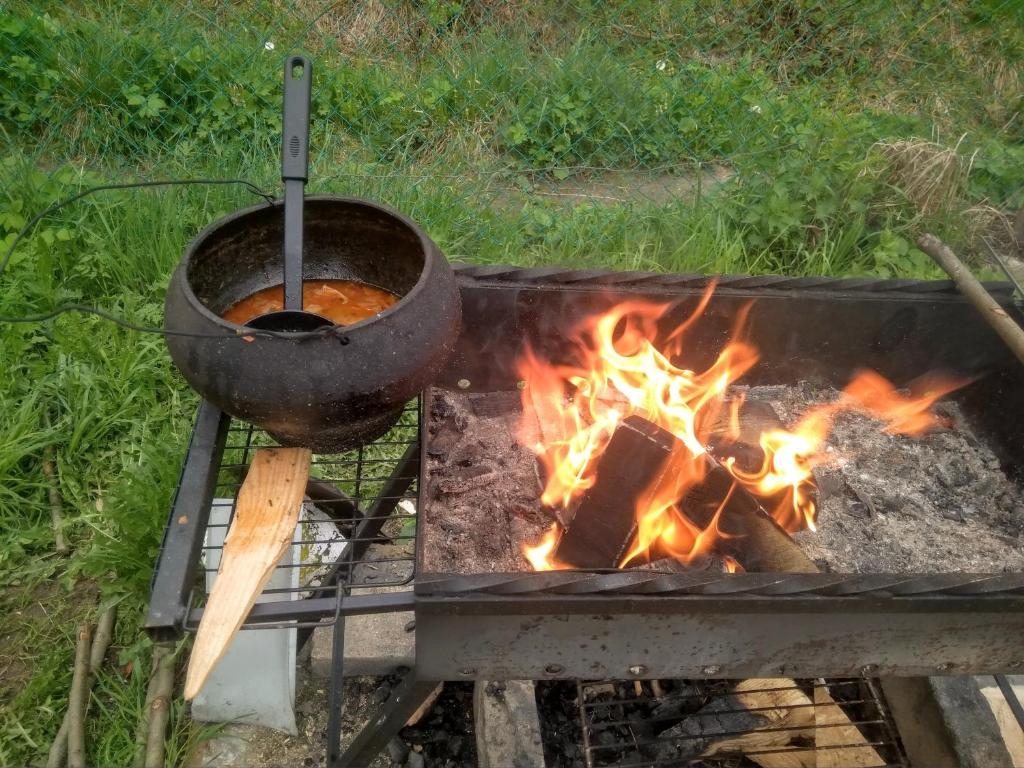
x=328, y=392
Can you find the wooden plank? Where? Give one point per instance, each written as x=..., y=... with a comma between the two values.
x=266, y=513
x=789, y=716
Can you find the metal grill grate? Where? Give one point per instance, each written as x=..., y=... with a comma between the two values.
x=357, y=530
x=707, y=723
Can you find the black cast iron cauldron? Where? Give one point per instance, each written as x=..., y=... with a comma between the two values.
x=328, y=392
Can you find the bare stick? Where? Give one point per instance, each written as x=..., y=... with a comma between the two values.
x=975, y=292
x=59, y=748
x=78, y=699
x=160, y=708
x=100, y=643
x=142, y=729
x=56, y=502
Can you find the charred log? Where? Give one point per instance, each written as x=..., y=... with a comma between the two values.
x=605, y=518
x=604, y=521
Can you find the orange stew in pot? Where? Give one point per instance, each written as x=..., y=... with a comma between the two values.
x=343, y=302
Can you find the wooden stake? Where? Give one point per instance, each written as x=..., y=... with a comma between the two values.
x=993, y=314
x=78, y=699
x=266, y=514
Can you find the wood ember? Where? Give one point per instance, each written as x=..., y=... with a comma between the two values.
x=885, y=501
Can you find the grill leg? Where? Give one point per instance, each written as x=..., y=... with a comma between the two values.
x=404, y=701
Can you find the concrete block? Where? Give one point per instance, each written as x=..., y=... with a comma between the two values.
x=507, y=725
x=375, y=645
x=945, y=722
x=1013, y=734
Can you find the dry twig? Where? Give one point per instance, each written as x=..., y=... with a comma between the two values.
x=975, y=292
x=56, y=502
x=142, y=729
x=159, y=709
x=100, y=643
x=78, y=699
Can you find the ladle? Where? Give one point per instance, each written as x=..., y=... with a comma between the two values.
x=298, y=79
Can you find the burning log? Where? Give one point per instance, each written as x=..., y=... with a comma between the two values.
x=779, y=724
x=605, y=519
x=604, y=522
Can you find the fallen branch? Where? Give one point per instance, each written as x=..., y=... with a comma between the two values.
x=159, y=709
x=59, y=748
x=975, y=292
x=77, y=700
x=142, y=728
x=100, y=643
x=56, y=502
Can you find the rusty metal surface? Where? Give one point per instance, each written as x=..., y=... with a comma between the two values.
x=599, y=277
x=458, y=644
x=727, y=585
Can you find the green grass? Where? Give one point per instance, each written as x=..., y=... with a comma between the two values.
x=474, y=118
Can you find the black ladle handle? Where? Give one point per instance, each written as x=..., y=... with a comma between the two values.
x=298, y=79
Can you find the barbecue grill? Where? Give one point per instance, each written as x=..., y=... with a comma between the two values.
x=825, y=629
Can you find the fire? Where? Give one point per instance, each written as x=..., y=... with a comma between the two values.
x=541, y=556
x=572, y=410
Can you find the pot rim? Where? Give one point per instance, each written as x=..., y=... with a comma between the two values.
x=426, y=243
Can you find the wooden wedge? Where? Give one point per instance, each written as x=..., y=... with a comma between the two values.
x=266, y=514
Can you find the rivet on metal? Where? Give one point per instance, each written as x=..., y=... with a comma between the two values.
x=521, y=384
x=638, y=669
x=553, y=669
x=711, y=669
x=463, y=383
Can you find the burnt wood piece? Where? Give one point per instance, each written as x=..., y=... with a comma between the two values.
x=490, y=404
x=754, y=418
x=750, y=535
x=605, y=518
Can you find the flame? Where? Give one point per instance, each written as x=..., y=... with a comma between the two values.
x=732, y=565
x=571, y=411
x=902, y=415
x=541, y=555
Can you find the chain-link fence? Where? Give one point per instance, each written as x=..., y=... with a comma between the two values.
x=513, y=127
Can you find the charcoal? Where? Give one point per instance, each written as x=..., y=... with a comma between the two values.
x=693, y=736
x=442, y=443
x=460, y=479
x=491, y=404
x=684, y=700
x=754, y=417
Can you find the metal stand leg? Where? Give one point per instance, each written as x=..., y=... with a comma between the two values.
x=405, y=700
x=336, y=692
